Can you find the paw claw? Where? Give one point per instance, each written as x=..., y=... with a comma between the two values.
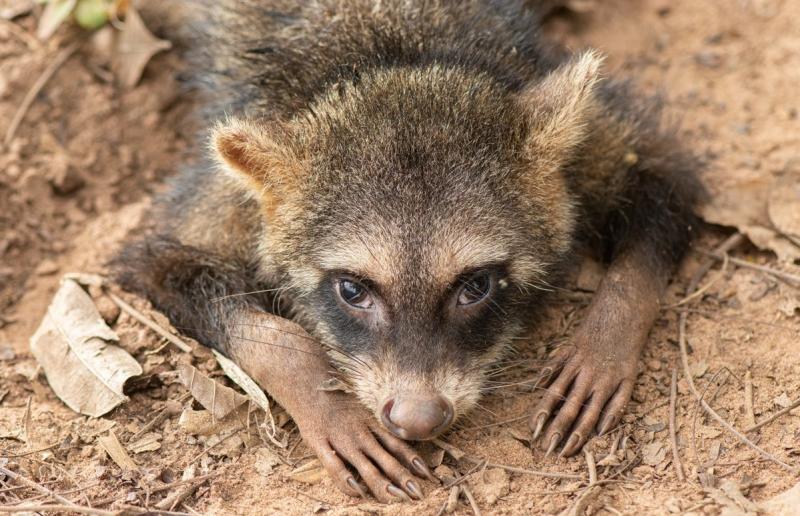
x=414, y=490
x=355, y=486
x=554, y=440
x=422, y=469
x=573, y=441
x=540, y=421
x=397, y=493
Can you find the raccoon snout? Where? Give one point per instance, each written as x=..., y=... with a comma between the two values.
x=417, y=418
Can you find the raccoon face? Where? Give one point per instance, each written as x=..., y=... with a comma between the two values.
x=415, y=214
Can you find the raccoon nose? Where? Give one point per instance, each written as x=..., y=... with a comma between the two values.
x=417, y=418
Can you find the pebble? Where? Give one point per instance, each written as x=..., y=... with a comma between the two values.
x=47, y=268
x=7, y=353
x=654, y=365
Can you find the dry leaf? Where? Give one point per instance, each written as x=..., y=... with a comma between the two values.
x=240, y=378
x=698, y=369
x=524, y=435
x=201, y=422
x=212, y=395
x=653, y=453
x=783, y=207
x=309, y=473
x=492, y=485
x=74, y=347
x=266, y=460
x=786, y=503
x=54, y=14
x=112, y=446
x=148, y=442
x=783, y=401
x=748, y=206
x=134, y=46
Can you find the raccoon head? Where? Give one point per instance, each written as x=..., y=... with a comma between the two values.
x=415, y=213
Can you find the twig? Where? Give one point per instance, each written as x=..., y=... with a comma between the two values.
x=59, y=509
x=472, y=503
x=673, y=402
x=31, y=452
x=791, y=279
x=37, y=87
x=749, y=413
x=773, y=417
x=591, y=465
x=34, y=485
x=523, y=471
x=136, y=314
x=710, y=411
x=157, y=420
x=700, y=291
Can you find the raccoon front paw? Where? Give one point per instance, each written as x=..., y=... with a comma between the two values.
x=342, y=435
x=592, y=382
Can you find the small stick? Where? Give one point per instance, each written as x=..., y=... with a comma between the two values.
x=59, y=509
x=523, y=471
x=791, y=279
x=749, y=413
x=700, y=291
x=673, y=403
x=591, y=465
x=37, y=87
x=710, y=411
x=34, y=485
x=136, y=314
x=773, y=417
x=472, y=503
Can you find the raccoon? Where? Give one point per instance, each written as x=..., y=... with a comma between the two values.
x=390, y=189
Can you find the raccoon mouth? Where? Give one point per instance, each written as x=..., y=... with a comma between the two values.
x=417, y=418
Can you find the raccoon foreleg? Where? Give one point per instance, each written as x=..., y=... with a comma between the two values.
x=593, y=376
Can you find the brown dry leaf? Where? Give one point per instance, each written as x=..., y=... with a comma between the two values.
x=653, y=453
x=212, y=395
x=522, y=435
x=240, y=378
x=786, y=503
x=74, y=347
x=784, y=207
x=266, y=460
x=747, y=206
x=134, y=46
x=201, y=422
x=492, y=485
x=112, y=446
x=733, y=502
x=148, y=442
x=309, y=473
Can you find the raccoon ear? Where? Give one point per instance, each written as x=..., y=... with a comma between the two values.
x=559, y=107
x=260, y=154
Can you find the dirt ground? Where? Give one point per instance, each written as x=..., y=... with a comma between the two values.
x=88, y=156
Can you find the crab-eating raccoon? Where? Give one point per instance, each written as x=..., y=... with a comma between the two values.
x=390, y=189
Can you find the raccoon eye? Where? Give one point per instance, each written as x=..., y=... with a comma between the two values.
x=475, y=289
x=354, y=293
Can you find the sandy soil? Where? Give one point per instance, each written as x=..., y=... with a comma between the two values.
x=88, y=156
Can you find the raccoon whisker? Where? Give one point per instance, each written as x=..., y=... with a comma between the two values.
x=247, y=339
x=228, y=296
x=264, y=327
